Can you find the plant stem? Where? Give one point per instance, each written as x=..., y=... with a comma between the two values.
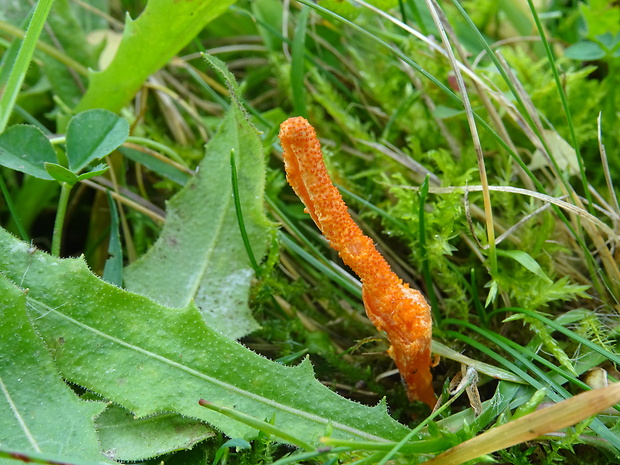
x=260, y=425
x=426, y=272
x=60, y=218
x=567, y=113
x=239, y=212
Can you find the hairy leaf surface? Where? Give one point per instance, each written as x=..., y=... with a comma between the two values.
x=150, y=358
x=200, y=254
x=38, y=411
x=126, y=438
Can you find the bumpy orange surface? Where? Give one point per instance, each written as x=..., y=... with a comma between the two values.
x=391, y=305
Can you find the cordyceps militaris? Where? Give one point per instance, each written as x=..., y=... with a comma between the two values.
x=391, y=304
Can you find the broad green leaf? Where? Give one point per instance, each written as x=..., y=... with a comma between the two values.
x=126, y=438
x=93, y=134
x=25, y=148
x=149, y=358
x=200, y=254
x=38, y=411
x=526, y=260
x=610, y=42
x=584, y=50
x=60, y=173
x=149, y=42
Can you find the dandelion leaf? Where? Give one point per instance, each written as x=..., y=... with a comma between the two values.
x=38, y=411
x=151, y=359
x=148, y=43
x=126, y=438
x=200, y=254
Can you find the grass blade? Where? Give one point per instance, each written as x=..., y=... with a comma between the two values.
x=562, y=94
x=528, y=427
x=239, y=213
x=22, y=62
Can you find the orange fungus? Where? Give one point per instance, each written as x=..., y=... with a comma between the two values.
x=391, y=304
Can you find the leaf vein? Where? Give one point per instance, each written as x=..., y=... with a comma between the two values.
x=198, y=374
x=18, y=417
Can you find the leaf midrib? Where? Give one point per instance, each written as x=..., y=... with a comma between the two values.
x=18, y=417
x=198, y=374
x=217, y=231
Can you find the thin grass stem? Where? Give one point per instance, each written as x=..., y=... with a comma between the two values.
x=174, y=156
x=438, y=411
x=239, y=213
x=22, y=62
x=557, y=393
x=426, y=271
x=608, y=180
x=567, y=332
x=562, y=94
x=471, y=121
x=539, y=186
x=260, y=425
x=355, y=290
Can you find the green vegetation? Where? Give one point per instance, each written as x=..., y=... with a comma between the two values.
x=168, y=300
